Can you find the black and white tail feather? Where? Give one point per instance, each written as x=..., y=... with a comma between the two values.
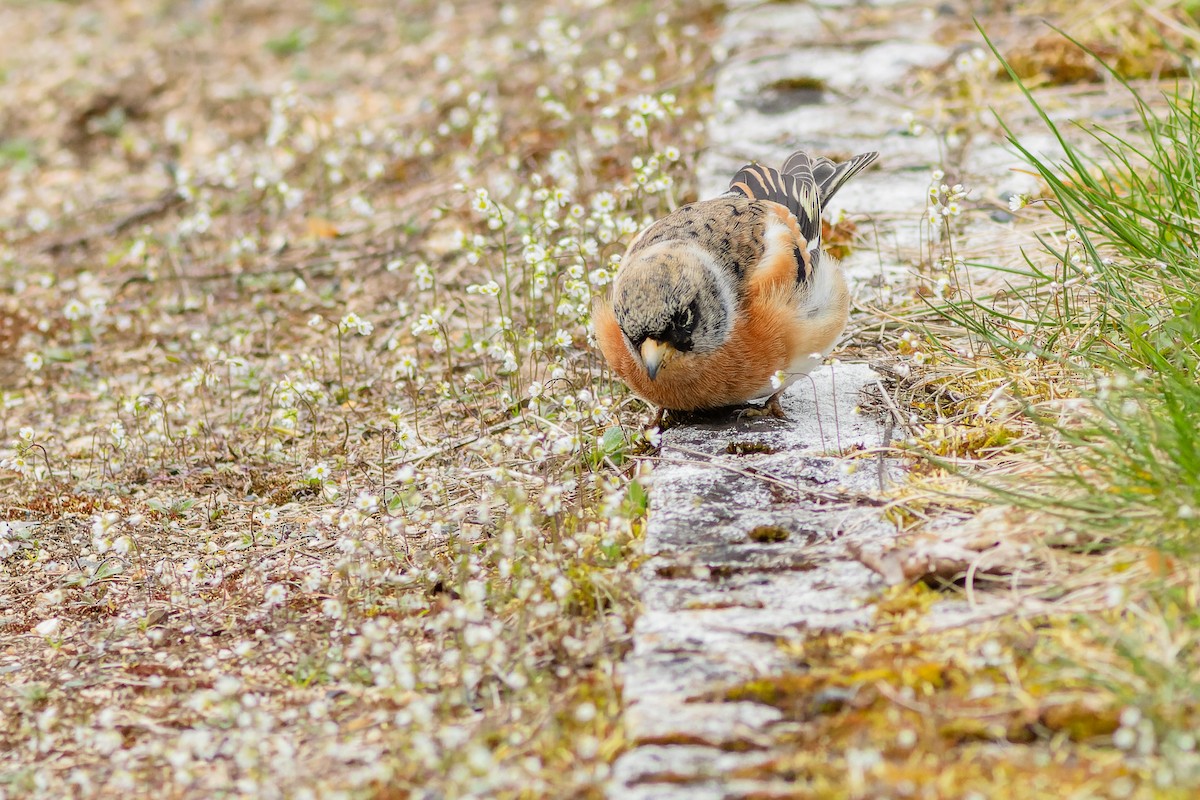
x=804, y=185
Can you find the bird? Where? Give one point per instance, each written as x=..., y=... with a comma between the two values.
x=730, y=300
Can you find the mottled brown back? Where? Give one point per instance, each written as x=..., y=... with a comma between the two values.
x=729, y=228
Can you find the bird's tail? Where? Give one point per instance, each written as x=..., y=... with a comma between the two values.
x=827, y=175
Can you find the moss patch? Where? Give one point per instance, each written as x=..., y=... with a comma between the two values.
x=768, y=533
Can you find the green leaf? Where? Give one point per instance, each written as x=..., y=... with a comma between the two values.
x=637, y=501
x=107, y=569
x=612, y=446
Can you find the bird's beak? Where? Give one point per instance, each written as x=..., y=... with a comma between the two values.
x=654, y=355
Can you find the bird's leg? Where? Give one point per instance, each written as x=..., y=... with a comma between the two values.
x=659, y=418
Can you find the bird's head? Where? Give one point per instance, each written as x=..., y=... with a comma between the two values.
x=669, y=303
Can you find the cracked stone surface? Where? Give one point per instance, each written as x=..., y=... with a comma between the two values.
x=747, y=543
x=753, y=522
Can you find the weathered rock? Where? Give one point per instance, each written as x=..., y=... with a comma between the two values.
x=755, y=523
x=718, y=599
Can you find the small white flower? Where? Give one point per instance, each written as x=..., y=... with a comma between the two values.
x=491, y=288
x=366, y=502
x=103, y=523
x=275, y=594
x=585, y=712
x=74, y=310
x=319, y=472
x=778, y=379
x=292, y=197
x=37, y=220
x=482, y=203
x=353, y=322
x=604, y=203
x=33, y=361
x=1130, y=716
x=407, y=367
x=645, y=105
x=49, y=628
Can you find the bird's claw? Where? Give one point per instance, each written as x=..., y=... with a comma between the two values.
x=772, y=409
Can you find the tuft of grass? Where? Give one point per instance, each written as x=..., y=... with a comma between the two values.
x=1063, y=382
x=293, y=42
x=1110, y=307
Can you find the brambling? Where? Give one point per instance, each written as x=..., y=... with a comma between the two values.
x=730, y=300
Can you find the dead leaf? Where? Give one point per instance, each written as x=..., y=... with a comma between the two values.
x=986, y=545
x=157, y=616
x=1056, y=60
x=321, y=228
x=1082, y=720
x=1160, y=564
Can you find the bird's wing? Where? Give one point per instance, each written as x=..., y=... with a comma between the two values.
x=803, y=186
x=797, y=191
x=792, y=201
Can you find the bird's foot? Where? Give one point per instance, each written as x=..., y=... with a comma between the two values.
x=772, y=408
